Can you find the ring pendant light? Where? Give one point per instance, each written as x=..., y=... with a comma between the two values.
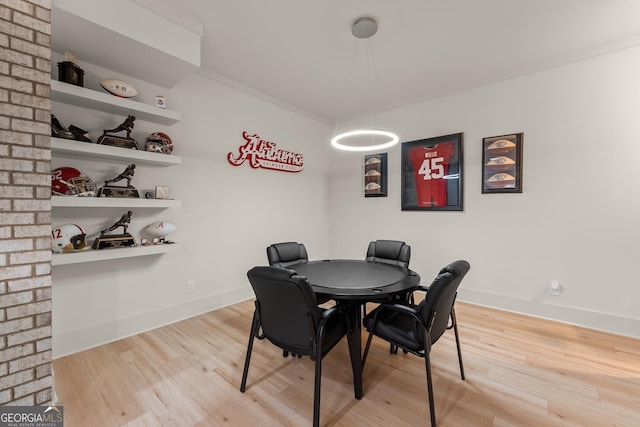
x=364, y=28
x=338, y=140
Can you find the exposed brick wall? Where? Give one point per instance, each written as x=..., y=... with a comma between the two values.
x=25, y=202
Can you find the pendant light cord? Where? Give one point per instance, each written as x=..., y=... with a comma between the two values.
x=346, y=88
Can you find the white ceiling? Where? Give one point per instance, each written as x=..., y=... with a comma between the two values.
x=298, y=53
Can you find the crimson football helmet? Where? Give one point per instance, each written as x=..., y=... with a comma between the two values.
x=159, y=142
x=68, y=238
x=67, y=181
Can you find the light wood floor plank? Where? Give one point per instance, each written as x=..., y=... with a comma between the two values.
x=521, y=371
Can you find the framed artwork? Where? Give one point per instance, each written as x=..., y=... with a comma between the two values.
x=432, y=174
x=375, y=175
x=502, y=163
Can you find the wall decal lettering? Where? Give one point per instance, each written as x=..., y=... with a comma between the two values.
x=264, y=154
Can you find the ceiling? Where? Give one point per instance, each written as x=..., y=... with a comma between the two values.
x=299, y=53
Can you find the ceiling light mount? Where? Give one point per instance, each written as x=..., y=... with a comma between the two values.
x=364, y=27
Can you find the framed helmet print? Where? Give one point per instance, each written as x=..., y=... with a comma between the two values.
x=432, y=174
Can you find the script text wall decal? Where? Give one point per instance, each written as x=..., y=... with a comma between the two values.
x=264, y=154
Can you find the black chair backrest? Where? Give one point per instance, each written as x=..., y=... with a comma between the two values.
x=441, y=296
x=287, y=308
x=286, y=253
x=390, y=252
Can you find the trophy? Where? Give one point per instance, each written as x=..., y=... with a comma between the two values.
x=118, y=191
x=107, y=137
x=69, y=71
x=111, y=241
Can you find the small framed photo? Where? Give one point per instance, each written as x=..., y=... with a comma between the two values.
x=502, y=163
x=162, y=192
x=160, y=101
x=432, y=174
x=144, y=241
x=375, y=175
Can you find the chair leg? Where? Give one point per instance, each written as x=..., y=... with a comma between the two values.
x=455, y=330
x=255, y=327
x=432, y=406
x=366, y=347
x=316, y=391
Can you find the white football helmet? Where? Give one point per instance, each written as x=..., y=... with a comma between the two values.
x=68, y=238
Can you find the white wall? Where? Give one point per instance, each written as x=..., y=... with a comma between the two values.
x=228, y=215
x=576, y=220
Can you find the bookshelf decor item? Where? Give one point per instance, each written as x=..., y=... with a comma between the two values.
x=69, y=71
x=111, y=241
x=502, y=163
x=108, y=136
x=129, y=190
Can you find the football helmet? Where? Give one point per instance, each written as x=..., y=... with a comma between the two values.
x=68, y=238
x=68, y=181
x=159, y=142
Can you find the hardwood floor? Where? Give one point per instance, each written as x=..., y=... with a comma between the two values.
x=521, y=371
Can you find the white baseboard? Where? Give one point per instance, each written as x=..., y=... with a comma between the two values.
x=76, y=341
x=549, y=309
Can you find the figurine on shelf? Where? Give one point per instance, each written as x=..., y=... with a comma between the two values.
x=108, y=138
x=116, y=191
x=116, y=240
x=127, y=126
x=123, y=222
x=127, y=174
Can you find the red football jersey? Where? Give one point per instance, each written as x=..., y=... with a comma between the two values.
x=430, y=166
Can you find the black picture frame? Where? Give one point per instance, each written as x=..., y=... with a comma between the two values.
x=432, y=174
x=375, y=175
x=502, y=163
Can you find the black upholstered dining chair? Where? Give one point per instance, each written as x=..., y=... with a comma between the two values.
x=415, y=328
x=287, y=315
x=285, y=254
x=392, y=252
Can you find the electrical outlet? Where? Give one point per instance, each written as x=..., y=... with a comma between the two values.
x=191, y=286
x=555, y=288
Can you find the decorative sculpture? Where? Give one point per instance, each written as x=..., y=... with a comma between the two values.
x=110, y=241
x=108, y=137
x=110, y=190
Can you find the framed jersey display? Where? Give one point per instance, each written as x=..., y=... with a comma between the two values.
x=502, y=163
x=432, y=174
x=375, y=175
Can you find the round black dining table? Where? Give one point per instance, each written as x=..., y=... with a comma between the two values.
x=353, y=283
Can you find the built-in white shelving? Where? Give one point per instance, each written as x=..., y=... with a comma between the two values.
x=112, y=202
x=85, y=150
x=94, y=100
x=91, y=255
x=104, y=102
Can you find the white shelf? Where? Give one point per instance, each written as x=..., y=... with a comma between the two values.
x=112, y=202
x=97, y=151
x=94, y=100
x=106, y=254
